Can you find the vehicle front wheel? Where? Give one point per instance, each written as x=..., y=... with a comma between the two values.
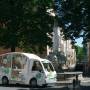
x=33, y=83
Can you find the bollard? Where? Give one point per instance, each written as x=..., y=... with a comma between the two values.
x=74, y=84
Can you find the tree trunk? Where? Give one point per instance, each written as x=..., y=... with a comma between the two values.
x=13, y=49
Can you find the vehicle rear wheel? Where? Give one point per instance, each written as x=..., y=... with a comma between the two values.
x=33, y=83
x=45, y=85
x=5, y=81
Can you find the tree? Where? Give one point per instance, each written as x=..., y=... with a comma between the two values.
x=73, y=16
x=25, y=23
x=80, y=54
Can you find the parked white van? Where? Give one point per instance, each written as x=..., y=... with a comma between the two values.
x=26, y=68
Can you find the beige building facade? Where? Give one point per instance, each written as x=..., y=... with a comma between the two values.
x=88, y=54
x=66, y=54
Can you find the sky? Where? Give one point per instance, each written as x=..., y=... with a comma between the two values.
x=79, y=41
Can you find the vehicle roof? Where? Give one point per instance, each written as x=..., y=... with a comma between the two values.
x=29, y=55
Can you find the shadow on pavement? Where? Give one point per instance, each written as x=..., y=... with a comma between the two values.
x=14, y=85
x=85, y=87
x=63, y=88
x=26, y=87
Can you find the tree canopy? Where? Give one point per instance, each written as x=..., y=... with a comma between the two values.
x=73, y=16
x=25, y=23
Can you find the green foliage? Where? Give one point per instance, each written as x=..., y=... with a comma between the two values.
x=79, y=53
x=75, y=18
x=25, y=23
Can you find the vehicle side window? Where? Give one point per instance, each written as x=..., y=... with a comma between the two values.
x=37, y=66
x=16, y=61
x=0, y=61
x=6, y=61
x=24, y=61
